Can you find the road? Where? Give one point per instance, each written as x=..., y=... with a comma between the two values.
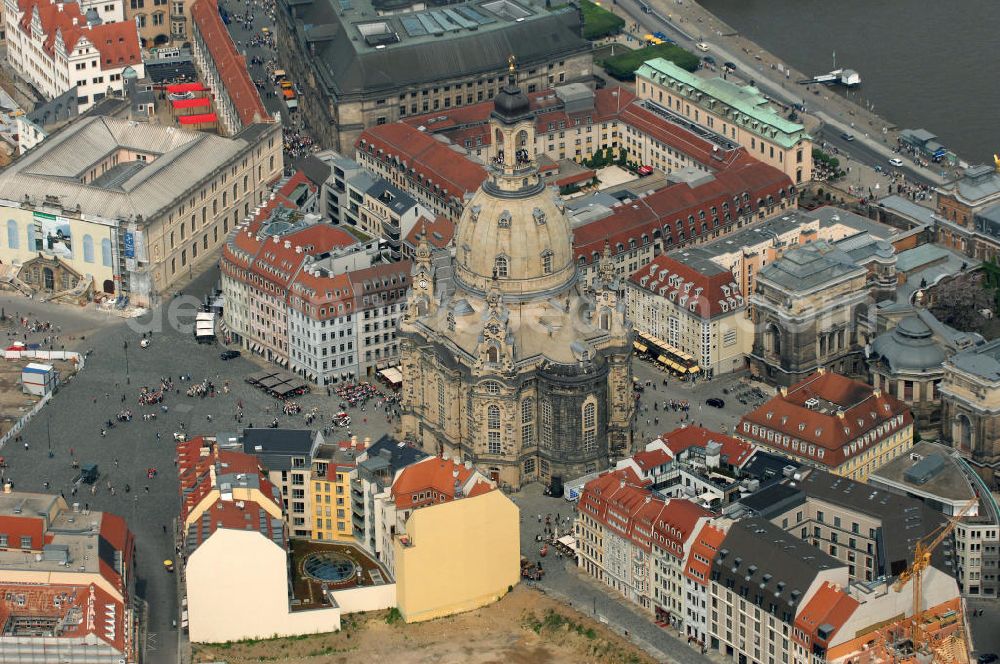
x=79, y=411
x=863, y=148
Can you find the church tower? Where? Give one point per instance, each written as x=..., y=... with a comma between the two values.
x=508, y=361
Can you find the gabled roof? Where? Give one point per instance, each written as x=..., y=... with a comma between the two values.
x=825, y=613
x=619, y=502
x=230, y=65
x=117, y=43
x=708, y=293
x=667, y=210
x=78, y=611
x=826, y=413
x=703, y=549
x=435, y=480
x=439, y=232
x=735, y=452
x=757, y=559
x=428, y=157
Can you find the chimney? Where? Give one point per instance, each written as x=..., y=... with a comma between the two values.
x=876, y=393
x=784, y=391
x=288, y=244
x=354, y=440
x=368, y=442
x=840, y=414
x=468, y=465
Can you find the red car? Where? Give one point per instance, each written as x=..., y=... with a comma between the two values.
x=645, y=170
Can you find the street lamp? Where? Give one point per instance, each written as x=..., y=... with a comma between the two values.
x=128, y=379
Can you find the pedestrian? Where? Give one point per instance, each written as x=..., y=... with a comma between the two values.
x=25, y=445
x=147, y=488
x=116, y=462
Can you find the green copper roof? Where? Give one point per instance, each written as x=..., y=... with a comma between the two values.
x=743, y=100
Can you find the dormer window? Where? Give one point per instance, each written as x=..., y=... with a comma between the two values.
x=505, y=219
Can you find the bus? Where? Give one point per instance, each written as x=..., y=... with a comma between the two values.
x=665, y=355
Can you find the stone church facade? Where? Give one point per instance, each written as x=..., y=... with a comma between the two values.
x=509, y=361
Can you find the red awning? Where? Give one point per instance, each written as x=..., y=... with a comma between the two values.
x=186, y=87
x=191, y=103
x=201, y=118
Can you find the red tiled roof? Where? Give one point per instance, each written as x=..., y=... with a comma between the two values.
x=436, y=479
x=230, y=65
x=440, y=230
x=582, y=176
x=429, y=157
x=649, y=459
x=674, y=280
x=118, y=43
x=89, y=610
x=846, y=413
x=830, y=605
x=667, y=210
x=468, y=125
x=703, y=550
x=632, y=511
x=735, y=452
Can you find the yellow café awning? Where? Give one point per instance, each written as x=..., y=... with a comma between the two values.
x=662, y=359
x=642, y=348
x=695, y=369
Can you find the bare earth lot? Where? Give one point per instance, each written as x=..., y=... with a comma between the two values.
x=526, y=627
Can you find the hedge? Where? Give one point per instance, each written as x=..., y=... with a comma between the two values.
x=623, y=66
x=599, y=22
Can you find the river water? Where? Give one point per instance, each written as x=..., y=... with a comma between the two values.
x=928, y=64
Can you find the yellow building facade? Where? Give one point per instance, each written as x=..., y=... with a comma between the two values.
x=457, y=556
x=330, y=488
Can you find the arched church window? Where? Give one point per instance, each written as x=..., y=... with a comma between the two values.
x=547, y=262
x=527, y=422
x=589, y=426
x=442, y=410
x=500, y=266
x=492, y=355
x=493, y=429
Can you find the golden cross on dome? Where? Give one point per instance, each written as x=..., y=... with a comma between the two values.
x=511, y=63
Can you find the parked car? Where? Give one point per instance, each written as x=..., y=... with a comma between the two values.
x=716, y=402
x=896, y=161
x=847, y=136
x=702, y=46
x=229, y=355
x=645, y=170
x=709, y=59
x=731, y=66
x=988, y=658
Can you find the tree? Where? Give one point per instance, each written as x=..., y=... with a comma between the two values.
x=958, y=302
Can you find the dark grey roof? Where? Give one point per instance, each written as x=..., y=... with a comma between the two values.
x=983, y=361
x=909, y=346
x=387, y=455
x=391, y=196
x=809, y=266
x=774, y=500
x=355, y=52
x=764, y=466
x=62, y=108
x=904, y=520
x=275, y=447
x=315, y=169
x=769, y=567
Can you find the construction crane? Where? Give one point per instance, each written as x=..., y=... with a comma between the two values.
x=921, y=561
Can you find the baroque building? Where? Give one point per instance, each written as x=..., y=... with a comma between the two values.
x=509, y=361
